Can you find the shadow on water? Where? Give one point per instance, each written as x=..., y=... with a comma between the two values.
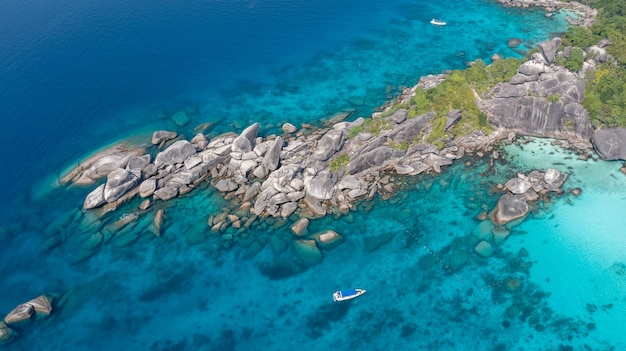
x=175, y=284
x=281, y=268
x=321, y=319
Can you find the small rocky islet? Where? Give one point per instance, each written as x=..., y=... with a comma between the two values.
x=310, y=173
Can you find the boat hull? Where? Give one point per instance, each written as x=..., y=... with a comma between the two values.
x=344, y=295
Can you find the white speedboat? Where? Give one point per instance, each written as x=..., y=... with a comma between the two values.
x=343, y=295
x=437, y=22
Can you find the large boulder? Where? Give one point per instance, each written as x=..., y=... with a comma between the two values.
x=20, y=316
x=42, y=305
x=95, y=198
x=320, y=188
x=272, y=156
x=246, y=140
x=119, y=181
x=100, y=164
x=175, y=153
x=300, y=226
x=329, y=144
x=518, y=185
x=554, y=178
x=548, y=49
x=138, y=163
x=509, y=208
x=162, y=135
x=369, y=159
x=398, y=116
x=610, y=143
x=147, y=187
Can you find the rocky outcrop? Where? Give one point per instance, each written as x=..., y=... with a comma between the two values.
x=509, y=207
x=610, y=143
x=523, y=189
x=176, y=153
x=245, y=141
x=586, y=15
x=542, y=100
x=101, y=164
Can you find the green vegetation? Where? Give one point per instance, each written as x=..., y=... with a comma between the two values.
x=553, y=97
x=339, y=162
x=605, y=96
x=371, y=125
x=574, y=61
x=403, y=145
x=459, y=91
x=605, y=93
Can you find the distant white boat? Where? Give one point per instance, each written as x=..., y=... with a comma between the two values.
x=437, y=22
x=343, y=295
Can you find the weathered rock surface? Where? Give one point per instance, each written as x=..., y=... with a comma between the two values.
x=20, y=316
x=245, y=141
x=119, y=181
x=541, y=100
x=42, y=305
x=610, y=143
x=175, y=153
x=160, y=136
x=510, y=207
x=95, y=198
x=101, y=164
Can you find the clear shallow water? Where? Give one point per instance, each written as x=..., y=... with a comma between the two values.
x=77, y=77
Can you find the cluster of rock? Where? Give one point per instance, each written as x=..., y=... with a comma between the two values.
x=542, y=99
x=585, y=14
x=513, y=206
x=313, y=172
x=23, y=315
x=275, y=176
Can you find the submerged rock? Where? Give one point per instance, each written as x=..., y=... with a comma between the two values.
x=300, y=226
x=328, y=239
x=307, y=252
x=484, y=249
x=6, y=334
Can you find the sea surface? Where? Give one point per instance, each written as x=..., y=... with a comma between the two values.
x=76, y=76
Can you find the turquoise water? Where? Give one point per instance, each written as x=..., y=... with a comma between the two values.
x=80, y=76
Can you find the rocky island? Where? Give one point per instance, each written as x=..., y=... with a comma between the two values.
x=307, y=173
x=310, y=172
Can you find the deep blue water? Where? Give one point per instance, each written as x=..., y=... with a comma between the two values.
x=76, y=76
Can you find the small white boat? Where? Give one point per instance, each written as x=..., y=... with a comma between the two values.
x=437, y=22
x=343, y=295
